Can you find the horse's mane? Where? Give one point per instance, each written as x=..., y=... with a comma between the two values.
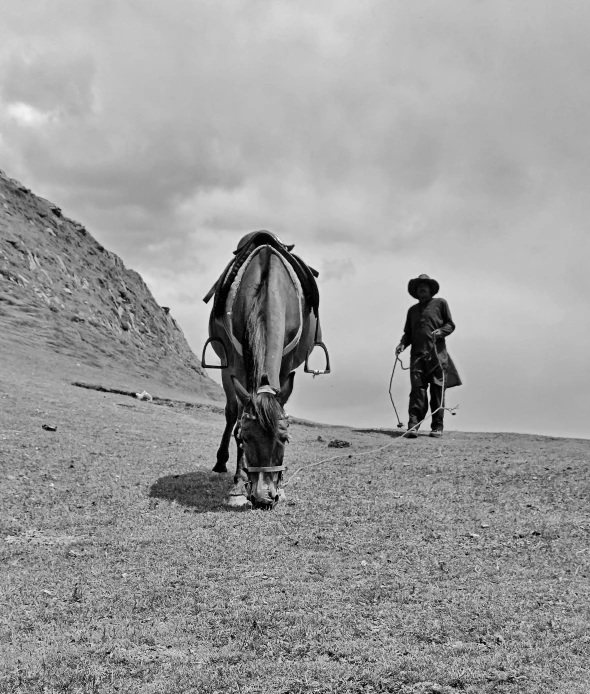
x=268, y=411
x=266, y=407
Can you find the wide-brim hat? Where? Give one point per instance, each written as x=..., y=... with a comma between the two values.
x=413, y=285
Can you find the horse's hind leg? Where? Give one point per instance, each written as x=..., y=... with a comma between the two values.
x=231, y=416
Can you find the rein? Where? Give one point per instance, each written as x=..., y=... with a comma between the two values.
x=275, y=468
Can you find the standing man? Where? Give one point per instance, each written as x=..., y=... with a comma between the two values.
x=428, y=323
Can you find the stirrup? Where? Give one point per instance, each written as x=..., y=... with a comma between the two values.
x=317, y=372
x=223, y=365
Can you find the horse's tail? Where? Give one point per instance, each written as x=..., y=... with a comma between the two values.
x=255, y=342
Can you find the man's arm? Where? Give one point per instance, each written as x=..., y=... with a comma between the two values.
x=406, y=339
x=448, y=325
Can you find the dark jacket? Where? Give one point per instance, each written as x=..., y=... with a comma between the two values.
x=422, y=320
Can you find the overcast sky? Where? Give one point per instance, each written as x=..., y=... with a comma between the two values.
x=384, y=138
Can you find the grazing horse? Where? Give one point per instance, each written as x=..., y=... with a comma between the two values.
x=264, y=329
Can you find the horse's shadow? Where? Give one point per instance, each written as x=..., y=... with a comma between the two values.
x=201, y=491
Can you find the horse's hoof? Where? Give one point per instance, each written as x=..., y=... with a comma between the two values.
x=236, y=501
x=220, y=467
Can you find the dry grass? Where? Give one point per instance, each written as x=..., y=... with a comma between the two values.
x=459, y=565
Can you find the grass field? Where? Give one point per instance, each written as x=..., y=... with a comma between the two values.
x=460, y=565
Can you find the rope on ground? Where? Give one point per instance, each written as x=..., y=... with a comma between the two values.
x=365, y=453
x=391, y=443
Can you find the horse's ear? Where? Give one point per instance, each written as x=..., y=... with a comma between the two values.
x=286, y=389
x=241, y=392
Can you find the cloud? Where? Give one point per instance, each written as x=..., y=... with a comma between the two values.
x=337, y=269
x=377, y=110
x=51, y=83
x=27, y=115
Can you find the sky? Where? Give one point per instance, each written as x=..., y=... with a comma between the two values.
x=385, y=139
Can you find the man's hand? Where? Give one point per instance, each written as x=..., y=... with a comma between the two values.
x=436, y=334
x=399, y=349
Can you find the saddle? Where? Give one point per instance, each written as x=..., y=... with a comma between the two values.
x=246, y=246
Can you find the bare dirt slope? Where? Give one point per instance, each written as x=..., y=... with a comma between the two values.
x=61, y=290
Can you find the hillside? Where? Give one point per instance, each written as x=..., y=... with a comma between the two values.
x=60, y=289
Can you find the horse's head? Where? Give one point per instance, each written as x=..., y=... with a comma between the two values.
x=263, y=433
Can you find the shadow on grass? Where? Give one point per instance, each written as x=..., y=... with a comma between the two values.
x=201, y=491
x=394, y=433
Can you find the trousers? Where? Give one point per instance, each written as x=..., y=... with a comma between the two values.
x=421, y=381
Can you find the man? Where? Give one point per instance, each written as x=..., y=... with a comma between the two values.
x=428, y=323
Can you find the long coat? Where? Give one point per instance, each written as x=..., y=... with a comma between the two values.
x=422, y=320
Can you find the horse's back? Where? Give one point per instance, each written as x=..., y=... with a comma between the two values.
x=283, y=308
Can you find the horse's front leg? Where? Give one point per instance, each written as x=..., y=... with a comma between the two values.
x=231, y=415
x=240, y=472
x=237, y=493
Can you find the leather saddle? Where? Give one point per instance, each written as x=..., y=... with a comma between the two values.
x=246, y=246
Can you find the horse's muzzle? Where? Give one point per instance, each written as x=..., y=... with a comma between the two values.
x=263, y=490
x=264, y=504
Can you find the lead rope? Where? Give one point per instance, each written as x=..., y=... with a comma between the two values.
x=405, y=368
x=387, y=445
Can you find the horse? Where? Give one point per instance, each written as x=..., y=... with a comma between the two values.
x=264, y=327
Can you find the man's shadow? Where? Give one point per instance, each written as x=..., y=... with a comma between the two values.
x=394, y=433
x=200, y=491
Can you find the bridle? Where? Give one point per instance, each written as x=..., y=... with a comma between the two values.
x=279, y=469
x=246, y=415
